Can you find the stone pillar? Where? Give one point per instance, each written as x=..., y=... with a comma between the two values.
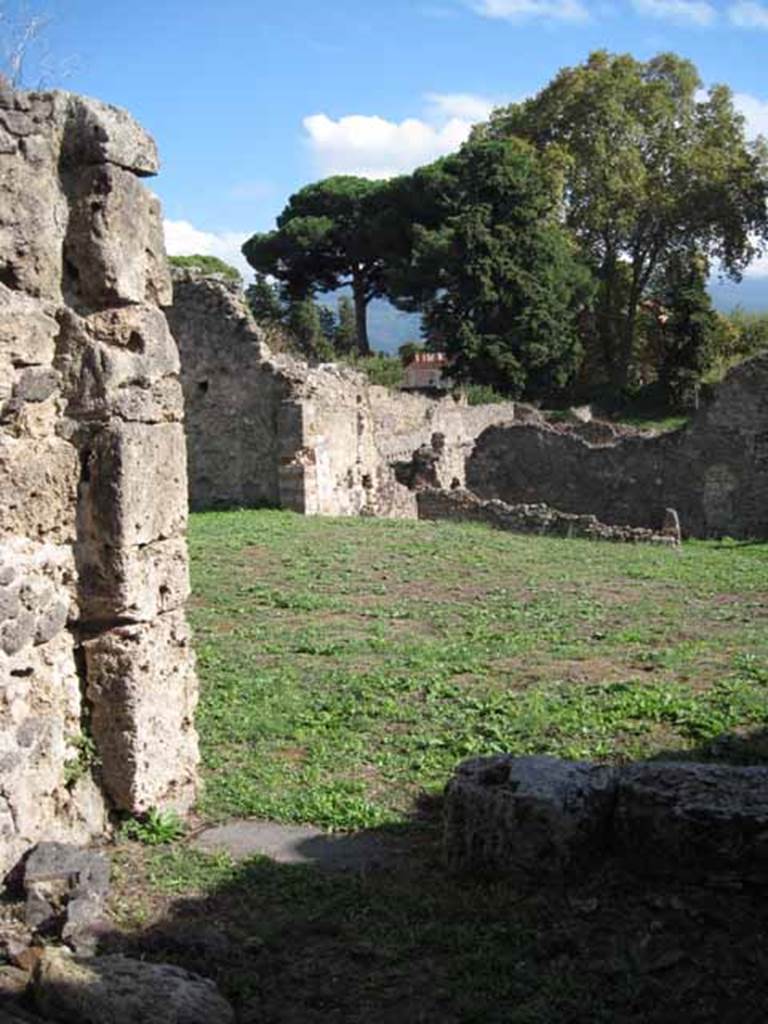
x=97, y=682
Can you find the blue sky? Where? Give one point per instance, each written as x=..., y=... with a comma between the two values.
x=250, y=100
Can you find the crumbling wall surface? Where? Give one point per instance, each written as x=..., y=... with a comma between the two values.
x=265, y=428
x=232, y=395
x=97, y=683
x=465, y=507
x=714, y=471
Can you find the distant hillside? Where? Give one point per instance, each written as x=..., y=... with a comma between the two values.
x=389, y=328
x=751, y=294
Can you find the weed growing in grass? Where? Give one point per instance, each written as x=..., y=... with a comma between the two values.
x=155, y=828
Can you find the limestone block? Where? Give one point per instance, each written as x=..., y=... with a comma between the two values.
x=33, y=214
x=40, y=726
x=135, y=491
x=38, y=496
x=143, y=692
x=136, y=583
x=27, y=329
x=109, y=234
x=527, y=817
x=117, y=990
x=121, y=362
x=99, y=133
x=694, y=822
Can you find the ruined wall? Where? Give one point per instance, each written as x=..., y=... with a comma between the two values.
x=714, y=472
x=465, y=507
x=264, y=428
x=97, y=683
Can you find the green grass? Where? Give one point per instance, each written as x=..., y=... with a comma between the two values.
x=348, y=665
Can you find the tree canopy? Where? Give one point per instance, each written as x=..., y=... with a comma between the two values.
x=653, y=169
x=206, y=265
x=496, y=275
x=331, y=234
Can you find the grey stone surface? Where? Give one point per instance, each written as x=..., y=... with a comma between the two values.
x=714, y=472
x=118, y=990
x=463, y=506
x=66, y=888
x=264, y=428
x=92, y=463
x=694, y=822
x=530, y=818
x=299, y=844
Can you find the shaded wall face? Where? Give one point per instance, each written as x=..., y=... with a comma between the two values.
x=232, y=397
x=97, y=684
x=269, y=429
x=714, y=472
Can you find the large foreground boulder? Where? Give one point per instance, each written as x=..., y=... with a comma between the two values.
x=117, y=990
x=527, y=817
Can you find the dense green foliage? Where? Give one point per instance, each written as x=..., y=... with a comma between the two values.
x=494, y=272
x=654, y=170
x=387, y=371
x=563, y=251
x=331, y=234
x=206, y=265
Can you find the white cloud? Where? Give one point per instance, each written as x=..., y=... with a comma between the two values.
x=697, y=12
x=748, y=15
x=755, y=111
x=524, y=10
x=463, y=105
x=372, y=147
x=184, y=239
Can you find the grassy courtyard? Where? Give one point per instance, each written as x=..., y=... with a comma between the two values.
x=348, y=665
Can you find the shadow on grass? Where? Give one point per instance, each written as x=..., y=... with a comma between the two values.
x=408, y=943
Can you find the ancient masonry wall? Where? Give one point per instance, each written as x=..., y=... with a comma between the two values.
x=264, y=428
x=714, y=472
x=465, y=507
x=97, y=681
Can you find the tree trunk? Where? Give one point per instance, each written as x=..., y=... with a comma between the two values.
x=361, y=315
x=627, y=338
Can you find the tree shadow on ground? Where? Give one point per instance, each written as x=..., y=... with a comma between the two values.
x=406, y=942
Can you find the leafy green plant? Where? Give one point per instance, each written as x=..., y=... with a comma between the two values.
x=155, y=828
x=86, y=758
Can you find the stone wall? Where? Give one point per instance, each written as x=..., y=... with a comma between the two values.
x=97, y=682
x=263, y=428
x=465, y=507
x=714, y=472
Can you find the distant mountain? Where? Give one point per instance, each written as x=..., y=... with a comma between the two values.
x=388, y=328
x=751, y=294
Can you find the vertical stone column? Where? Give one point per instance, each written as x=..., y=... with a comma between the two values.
x=97, y=682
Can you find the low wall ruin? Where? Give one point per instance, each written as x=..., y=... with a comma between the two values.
x=714, y=472
x=266, y=429
x=97, y=681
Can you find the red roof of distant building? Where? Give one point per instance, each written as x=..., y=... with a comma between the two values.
x=428, y=359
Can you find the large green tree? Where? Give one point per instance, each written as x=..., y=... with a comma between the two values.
x=496, y=275
x=654, y=168
x=331, y=234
